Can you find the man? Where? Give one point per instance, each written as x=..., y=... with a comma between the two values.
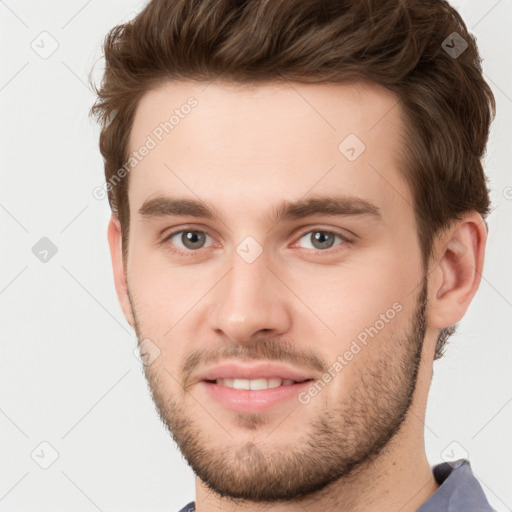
x=298, y=225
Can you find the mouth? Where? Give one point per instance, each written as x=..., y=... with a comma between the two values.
x=252, y=387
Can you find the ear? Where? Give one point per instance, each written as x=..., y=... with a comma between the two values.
x=459, y=261
x=119, y=268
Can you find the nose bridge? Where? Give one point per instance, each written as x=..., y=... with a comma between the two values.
x=246, y=283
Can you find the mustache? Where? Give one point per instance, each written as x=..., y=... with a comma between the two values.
x=266, y=349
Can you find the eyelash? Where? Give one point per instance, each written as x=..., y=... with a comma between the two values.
x=191, y=252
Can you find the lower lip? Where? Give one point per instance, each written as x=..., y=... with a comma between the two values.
x=248, y=401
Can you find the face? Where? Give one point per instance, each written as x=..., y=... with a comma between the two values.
x=273, y=247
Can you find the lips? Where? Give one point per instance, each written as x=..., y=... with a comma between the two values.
x=252, y=388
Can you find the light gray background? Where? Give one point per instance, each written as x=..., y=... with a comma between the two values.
x=68, y=375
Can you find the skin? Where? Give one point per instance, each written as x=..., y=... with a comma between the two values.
x=244, y=150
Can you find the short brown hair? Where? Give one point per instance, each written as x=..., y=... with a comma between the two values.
x=399, y=44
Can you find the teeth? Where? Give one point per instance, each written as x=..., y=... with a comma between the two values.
x=273, y=383
x=257, y=384
x=241, y=384
x=254, y=384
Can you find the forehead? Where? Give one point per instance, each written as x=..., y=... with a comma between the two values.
x=246, y=146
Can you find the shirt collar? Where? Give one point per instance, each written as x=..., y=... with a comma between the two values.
x=459, y=490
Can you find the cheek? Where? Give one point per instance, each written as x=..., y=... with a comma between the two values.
x=157, y=292
x=353, y=295
x=370, y=314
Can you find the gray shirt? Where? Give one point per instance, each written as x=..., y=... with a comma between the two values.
x=459, y=491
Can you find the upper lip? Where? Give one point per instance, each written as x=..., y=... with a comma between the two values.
x=265, y=370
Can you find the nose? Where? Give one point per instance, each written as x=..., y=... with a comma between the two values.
x=250, y=301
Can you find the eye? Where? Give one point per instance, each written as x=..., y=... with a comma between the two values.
x=322, y=240
x=191, y=240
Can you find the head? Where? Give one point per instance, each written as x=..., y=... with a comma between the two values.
x=260, y=120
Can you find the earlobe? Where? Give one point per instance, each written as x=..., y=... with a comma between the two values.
x=460, y=260
x=119, y=267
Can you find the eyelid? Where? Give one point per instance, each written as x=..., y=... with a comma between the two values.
x=333, y=231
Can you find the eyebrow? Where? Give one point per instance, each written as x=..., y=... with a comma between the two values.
x=165, y=206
